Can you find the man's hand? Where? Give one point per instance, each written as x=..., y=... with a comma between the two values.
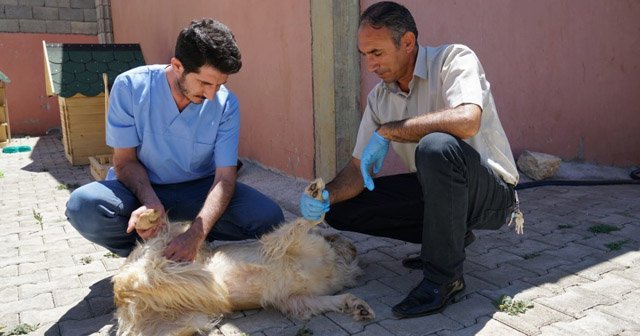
x=313, y=209
x=149, y=233
x=373, y=154
x=184, y=247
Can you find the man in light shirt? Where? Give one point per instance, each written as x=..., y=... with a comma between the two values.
x=434, y=107
x=175, y=130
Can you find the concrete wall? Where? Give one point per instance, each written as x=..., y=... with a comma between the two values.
x=24, y=24
x=274, y=85
x=31, y=112
x=565, y=74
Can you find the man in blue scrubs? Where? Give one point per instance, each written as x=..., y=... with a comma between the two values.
x=174, y=130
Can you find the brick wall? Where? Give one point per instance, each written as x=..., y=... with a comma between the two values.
x=49, y=16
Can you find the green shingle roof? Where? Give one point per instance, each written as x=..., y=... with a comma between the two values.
x=78, y=68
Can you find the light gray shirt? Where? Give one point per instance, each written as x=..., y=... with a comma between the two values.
x=444, y=78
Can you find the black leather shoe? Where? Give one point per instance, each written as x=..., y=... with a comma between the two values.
x=416, y=262
x=428, y=298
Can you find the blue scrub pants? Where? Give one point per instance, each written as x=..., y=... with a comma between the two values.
x=100, y=211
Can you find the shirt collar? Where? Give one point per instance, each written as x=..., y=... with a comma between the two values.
x=419, y=70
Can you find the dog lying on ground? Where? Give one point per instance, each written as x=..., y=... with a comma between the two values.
x=293, y=269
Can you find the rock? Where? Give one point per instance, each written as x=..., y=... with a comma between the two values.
x=538, y=166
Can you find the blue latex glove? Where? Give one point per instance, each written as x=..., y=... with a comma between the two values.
x=373, y=154
x=313, y=209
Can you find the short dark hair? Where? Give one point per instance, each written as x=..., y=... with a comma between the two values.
x=395, y=17
x=208, y=42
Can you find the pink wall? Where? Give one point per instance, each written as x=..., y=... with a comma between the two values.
x=274, y=85
x=31, y=112
x=565, y=74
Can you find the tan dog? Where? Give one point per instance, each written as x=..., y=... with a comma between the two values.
x=292, y=269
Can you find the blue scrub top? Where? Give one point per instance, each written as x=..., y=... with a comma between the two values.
x=173, y=146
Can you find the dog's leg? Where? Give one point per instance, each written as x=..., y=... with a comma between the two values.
x=303, y=307
x=286, y=237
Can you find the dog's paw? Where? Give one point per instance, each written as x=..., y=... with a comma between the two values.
x=315, y=188
x=147, y=220
x=359, y=309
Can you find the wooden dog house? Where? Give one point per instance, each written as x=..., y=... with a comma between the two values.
x=5, y=131
x=74, y=72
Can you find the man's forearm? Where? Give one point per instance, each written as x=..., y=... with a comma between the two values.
x=214, y=206
x=134, y=176
x=462, y=122
x=347, y=184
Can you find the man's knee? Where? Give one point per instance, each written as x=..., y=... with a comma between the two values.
x=86, y=213
x=270, y=216
x=435, y=148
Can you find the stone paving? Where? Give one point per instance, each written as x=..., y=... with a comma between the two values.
x=580, y=282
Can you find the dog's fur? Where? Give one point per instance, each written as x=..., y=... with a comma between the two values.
x=292, y=269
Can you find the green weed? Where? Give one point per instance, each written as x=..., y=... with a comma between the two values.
x=86, y=260
x=110, y=255
x=20, y=329
x=38, y=218
x=531, y=255
x=616, y=245
x=603, y=228
x=512, y=307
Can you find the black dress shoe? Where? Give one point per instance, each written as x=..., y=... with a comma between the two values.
x=416, y=262
x=428, y=298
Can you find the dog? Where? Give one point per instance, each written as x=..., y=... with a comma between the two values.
x=293, y=269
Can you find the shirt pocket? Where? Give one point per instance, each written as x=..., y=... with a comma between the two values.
x=202, y=159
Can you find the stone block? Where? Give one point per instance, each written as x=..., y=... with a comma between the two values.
x=33, y=26
x=83, y=4
x=86, y=28
x=538, y=166
x=18, y=12
x=71, y=14
x=90, y=15
x=45, y=13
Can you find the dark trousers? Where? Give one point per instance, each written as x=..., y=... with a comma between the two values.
x=452, y=192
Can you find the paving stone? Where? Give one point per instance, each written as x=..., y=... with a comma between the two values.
x=9, y=320
x=627, y=308
x=382, y=312
x=366, y=245
x=518, y=290
x=493, y=258
x=420, y=325
x=474, y=284
x=503, y=275
x=556, y=281
x=532, y=320
x=44, y=316
x=467, y=311
x=31, y=290
x=316, y=326
x=575, y=301
x=539, y=263
x=573, y=252
x=21, y=279
x=591, y=268
x=612, y=285
x=374, y=330
x=42, y=301
x=85, y=326
x=65, y=297
x=593, y=323
x=9, y=294
x=263, y=320
x=484, y=327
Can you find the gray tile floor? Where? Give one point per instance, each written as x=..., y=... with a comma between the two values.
x=580, y=282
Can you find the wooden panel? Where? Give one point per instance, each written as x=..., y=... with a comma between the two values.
x=83, y=127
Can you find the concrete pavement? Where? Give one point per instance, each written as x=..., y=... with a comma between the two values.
x=581, y=279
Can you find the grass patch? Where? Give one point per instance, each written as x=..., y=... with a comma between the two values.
x=86, y=260
x=603, y=228
x=531, y=255
x=565, y=226
x=20, y=329
x=38, y=217
x=512, y=307
x=304, y=331
x=110, y=255
x=1, y=174
x=62, y=187
x=616, y=245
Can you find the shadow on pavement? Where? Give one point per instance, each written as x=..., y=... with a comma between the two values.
x=91, y=315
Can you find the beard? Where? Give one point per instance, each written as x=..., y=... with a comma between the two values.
x=181, y=85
